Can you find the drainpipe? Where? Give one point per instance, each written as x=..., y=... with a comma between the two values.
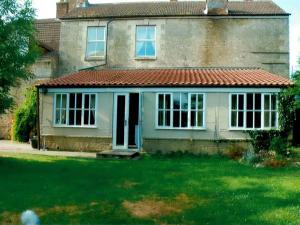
x=38, y=118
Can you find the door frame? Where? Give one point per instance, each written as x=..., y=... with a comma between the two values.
x=126, y=126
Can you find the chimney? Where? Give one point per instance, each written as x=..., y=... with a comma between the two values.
x=65, y=6
x=216, y=7
x=173, y=0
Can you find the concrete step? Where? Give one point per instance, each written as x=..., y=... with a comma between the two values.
x=118, y=154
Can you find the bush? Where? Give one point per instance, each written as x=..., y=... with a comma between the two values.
x=251, y=158
x=24, y=125
x=279, y=145
x=261, y=139
x=235, y=151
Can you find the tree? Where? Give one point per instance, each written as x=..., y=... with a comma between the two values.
x=18, y=49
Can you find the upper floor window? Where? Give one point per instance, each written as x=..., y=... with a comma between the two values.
x=96, y=42
x=253, y=111
x=145, y=46
x=180, y=110
x=75, y=109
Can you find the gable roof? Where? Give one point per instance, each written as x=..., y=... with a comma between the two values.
x=161, y=9
x=198, y=77
x=48, y=33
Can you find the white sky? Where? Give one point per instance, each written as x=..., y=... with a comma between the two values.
x=47, y=9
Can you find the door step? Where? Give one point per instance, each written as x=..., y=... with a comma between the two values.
x=118, y=154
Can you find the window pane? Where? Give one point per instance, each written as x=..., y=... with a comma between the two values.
x=160, y=118
x=200, y=102
x=161, y=101
x=99, y=50
x=184, y=101
x=92, y=33
x=200, y=119
x=249, y=101
x=63, y=116
x=93, y=101
x=184, y=118
x=193, y=101
x=86, y=101
x=233, y=119
x=193, y=118
x=273, y=119
x=167, y=118
x=78, y=117
x=267, y=119
x=241, y=102
x=141, y=32
x=57, y=116
x=71, y=117
x=150, y=48
x=86, y=117
x=257, y=101
x=249, y=119
x=100, y=33
x=273, y=102
x=58, y=100
x=92, y=117
x=234, y=102
x=140, y=48
x=267, y=102
x=72, y=100
x=79, y=101
x=241, y=119
x=151, y=32
x=257, y=121
x=91, y=49
x=168, y=101
x=176, y=118
x=176, y=101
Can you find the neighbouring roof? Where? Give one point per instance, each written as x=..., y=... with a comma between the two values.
x=188, y=8
x=48, y=33
x=198, y=77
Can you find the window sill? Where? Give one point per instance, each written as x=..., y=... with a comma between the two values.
x=64, y=126
x=184, y=128
x=251, y=129
x=91, y=59
x=145, y=58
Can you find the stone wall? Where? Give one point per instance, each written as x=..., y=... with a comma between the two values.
x=185, y=42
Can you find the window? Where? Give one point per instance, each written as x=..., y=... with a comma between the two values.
x=75, y=109
x=253, y=111
x=95, y=42
x=180, y=110
x=145, y=45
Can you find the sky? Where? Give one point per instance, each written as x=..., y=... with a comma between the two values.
x=47, y=9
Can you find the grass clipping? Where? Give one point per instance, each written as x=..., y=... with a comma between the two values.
x=153, y=207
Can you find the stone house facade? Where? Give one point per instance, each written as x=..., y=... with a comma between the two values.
x=164, y=76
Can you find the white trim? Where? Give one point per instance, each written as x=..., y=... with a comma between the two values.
x=164, y=89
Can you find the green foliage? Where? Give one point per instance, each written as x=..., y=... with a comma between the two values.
x=279, y=145
x=18, y=49
x=261, y=139
x=25, y=117
x=286, y=111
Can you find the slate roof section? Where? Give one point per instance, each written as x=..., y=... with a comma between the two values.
x=198, y=77
x=48, y=33
x=181, y=8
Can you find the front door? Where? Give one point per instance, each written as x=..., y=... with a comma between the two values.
x=120, y=139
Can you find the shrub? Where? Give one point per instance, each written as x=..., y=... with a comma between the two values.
x=236, y=151
x=25, y=117
x=275, y=163
x=251, y=158
x=261, y=139
x=279, y=145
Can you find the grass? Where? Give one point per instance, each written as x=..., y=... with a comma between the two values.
x=153, y=190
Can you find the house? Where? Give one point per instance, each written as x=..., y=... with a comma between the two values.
x=46, y=67
x=165, y=76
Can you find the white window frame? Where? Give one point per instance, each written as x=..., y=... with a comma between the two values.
x=144, y=40
x=262, y=110
x=95, y=41
x=189, y=127
x=82, y=125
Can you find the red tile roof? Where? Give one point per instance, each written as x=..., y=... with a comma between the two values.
x=180, y=8
x=200, y=77
x=48, y=33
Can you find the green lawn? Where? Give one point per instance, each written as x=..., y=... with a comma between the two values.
x=152, y=190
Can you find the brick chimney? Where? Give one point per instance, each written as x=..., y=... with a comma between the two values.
x=216, y=7
x=65, y=6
